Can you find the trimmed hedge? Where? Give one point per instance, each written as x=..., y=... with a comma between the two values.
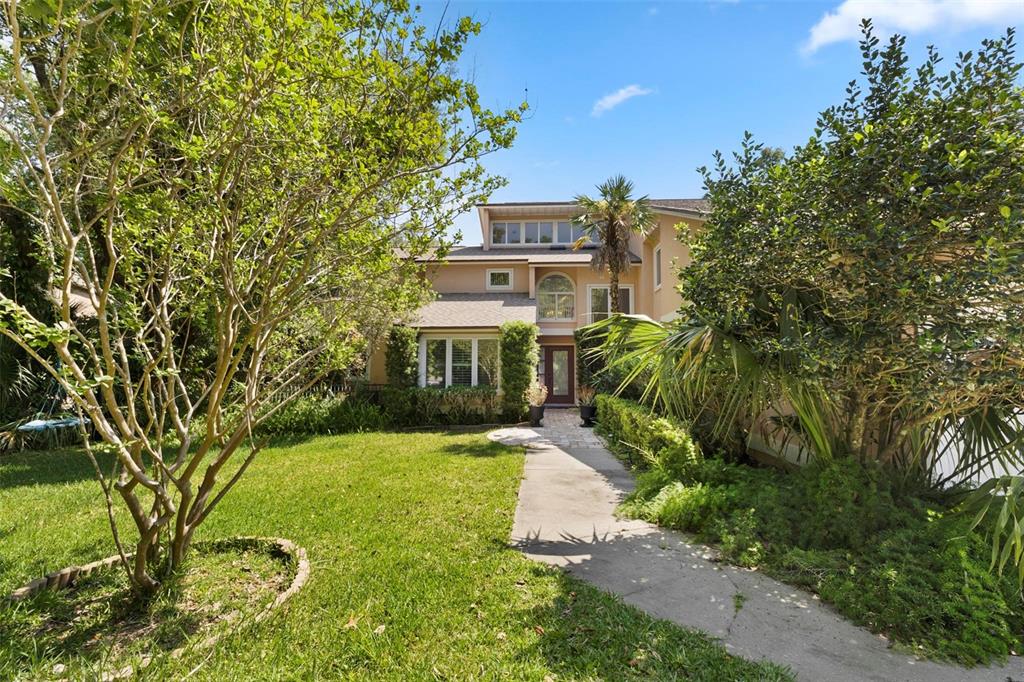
x=456, y=405
x=323, y=415
x=519, y=357
x=644, y=439
x=401, y=357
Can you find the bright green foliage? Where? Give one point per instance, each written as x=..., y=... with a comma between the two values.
x=323, y=415
x=519, y=358
x=876, y=273
x=863, y=295
x=452, y=406
x=240, y=189
x=401, y=357
x=895, y=565
x=407, y=535
x=609, y=220
x=644, y=439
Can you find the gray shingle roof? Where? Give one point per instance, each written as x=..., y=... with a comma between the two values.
x=476, y=310
x=526, y=254
x=694, y=205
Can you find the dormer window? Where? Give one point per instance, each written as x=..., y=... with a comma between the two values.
x=499, y=280
x=562, y=232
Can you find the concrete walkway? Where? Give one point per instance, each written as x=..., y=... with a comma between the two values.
x=565, y=517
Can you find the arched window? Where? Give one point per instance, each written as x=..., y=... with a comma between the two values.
x=556, y=298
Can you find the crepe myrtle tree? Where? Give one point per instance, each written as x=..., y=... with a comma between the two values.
x=258, y=169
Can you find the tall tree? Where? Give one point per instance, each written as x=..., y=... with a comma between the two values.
x=869, y=287
x=610, y=220
x=247, y=167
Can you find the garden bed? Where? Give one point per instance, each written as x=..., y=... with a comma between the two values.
x=892, y=561
x=84, y=621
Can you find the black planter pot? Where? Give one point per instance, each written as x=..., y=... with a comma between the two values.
x=588, y=413
x=536, y=414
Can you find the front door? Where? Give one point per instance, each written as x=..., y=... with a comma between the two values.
x=558, y=372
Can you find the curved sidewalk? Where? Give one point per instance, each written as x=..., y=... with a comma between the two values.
x=565, y=517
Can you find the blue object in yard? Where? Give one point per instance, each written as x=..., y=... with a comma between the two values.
x=48, y=424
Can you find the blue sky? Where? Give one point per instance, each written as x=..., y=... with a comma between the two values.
x=652, y=89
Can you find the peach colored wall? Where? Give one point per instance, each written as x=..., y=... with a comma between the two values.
x=581, y=277
x=378, y=369
x=675, y=254
x=472, y=277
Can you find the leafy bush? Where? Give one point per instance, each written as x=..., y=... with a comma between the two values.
x=519, y=356
x=645, y=439
x=895, y=565
x=323, y=415
x=401, y=357
x=456, y=405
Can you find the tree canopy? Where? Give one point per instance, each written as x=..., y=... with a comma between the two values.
x=250, y=172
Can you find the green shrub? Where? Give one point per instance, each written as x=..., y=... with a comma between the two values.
x=456, y=405
x=644, y=439
x=890, y=563
x=401, y=357
x=323, y=415
x=519, y=357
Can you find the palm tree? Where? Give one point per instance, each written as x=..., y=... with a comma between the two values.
x=610, y=220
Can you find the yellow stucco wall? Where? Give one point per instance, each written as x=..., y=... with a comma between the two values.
x=664, y=302
x=471, y=278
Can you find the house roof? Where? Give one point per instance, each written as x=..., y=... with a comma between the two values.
x=685, y=206
x=475, y=310
x=531, y=255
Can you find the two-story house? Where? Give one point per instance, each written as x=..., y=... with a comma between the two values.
x=526, y=269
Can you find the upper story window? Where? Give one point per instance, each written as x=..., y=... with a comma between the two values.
x=499, y=280
x=556, y=298
x=536, y=232
x=601, y=302
x=657, y=268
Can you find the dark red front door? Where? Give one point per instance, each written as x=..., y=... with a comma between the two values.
x=558, y=370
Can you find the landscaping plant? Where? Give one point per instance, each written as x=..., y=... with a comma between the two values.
x=519, y=358
x=401, y=356
x=246, y=169
x=899, y=564
x=862, y=296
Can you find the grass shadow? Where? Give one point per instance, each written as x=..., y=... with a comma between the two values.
x=591, y=634
x=99, y=625
x=476, y=449
x=47, y=467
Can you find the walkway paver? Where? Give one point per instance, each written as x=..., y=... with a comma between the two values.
x=565, y=517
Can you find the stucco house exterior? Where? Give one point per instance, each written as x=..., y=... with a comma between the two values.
x=526, y=269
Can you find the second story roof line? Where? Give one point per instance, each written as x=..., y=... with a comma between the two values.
x=695, y=207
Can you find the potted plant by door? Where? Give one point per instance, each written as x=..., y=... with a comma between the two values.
x=588, y=410
x=535, y=396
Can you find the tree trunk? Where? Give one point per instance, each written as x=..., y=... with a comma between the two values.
x=613, y=289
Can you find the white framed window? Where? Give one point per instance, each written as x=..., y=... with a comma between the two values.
x=556, y=298
x=459, y=360
x=499, y=279
x=600, y=302
x=561, y=232
x=657, y=268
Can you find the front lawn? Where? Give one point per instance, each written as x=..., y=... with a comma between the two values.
x=411, y=574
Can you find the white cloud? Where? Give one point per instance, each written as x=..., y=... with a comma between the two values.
x=910, y=16
x=614, y=99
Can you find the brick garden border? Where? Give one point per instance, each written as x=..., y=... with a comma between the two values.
x=67, y=577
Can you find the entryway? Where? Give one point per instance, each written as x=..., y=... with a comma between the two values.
x=557, y=371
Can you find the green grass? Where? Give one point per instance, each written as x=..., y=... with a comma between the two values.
x=406, y=535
